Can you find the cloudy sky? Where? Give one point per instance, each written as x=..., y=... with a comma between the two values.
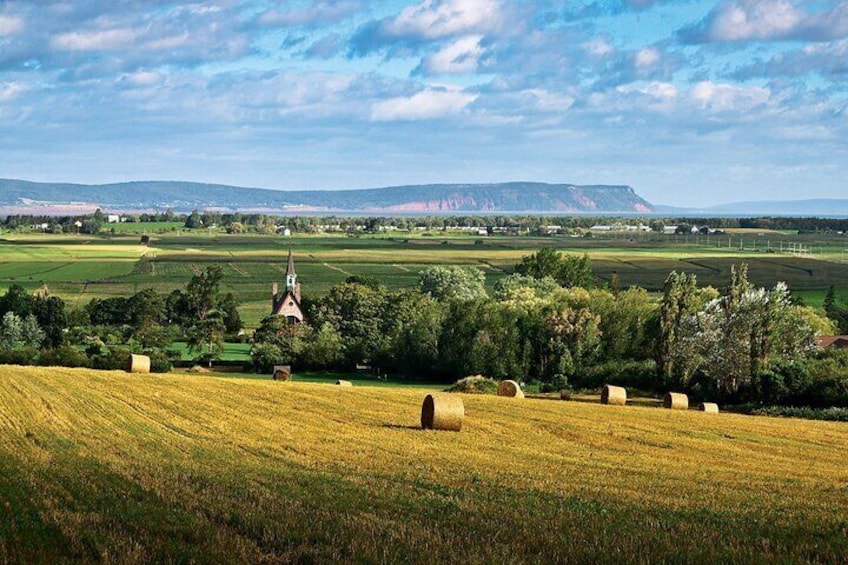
x=692, y=102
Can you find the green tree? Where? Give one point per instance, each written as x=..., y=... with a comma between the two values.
x=194, y=220
x=202, y=292
x=206, y=337
x=357, y=313
x=568, y=271
x=453, y=282
x=680, y=299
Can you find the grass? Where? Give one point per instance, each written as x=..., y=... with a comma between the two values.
x=104, y=466
x=232, y=351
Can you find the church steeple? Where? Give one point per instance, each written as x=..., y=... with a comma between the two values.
x=291, y=276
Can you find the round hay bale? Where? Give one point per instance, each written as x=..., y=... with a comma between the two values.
x=344, y=383
x=565, y=394
x=281, y=372
x=708, y=407
x=511, y=389
x=442, y=411
x=139, y=364
x=676, y=401
x=614, y=395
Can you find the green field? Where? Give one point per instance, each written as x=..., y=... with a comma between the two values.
x=79, y=268
x=106, y=466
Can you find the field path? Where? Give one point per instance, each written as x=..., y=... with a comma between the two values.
x=239, y=270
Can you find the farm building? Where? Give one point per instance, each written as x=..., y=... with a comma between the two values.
x=837, y=341
x=288, y=303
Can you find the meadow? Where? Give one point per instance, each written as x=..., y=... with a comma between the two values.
x=79, y=268
x=106, y=466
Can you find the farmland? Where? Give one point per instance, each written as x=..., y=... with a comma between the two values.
x=79, y=268
x=108, y=466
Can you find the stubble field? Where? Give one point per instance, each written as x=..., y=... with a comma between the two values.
x=123, y=468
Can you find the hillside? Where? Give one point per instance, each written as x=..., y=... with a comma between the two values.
x=437, y=198
x=107, y=466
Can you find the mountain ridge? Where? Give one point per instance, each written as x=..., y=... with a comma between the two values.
x=430, y=198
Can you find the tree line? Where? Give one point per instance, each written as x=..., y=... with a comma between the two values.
x=41, y=329
x=550, y=322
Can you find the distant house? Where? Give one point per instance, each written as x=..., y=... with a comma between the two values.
x=113, y=219
x=837, y=341
x=669, y=230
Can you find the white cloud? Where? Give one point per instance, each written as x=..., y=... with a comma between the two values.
x=708, y=95
x=461, y=56
x=434, y=19
x=647, y=58
x=10, y=25
x=770, y=20
x=103, y=40
x=11, y=90
x=598, y=47
x=754, y=19
x=425, y=105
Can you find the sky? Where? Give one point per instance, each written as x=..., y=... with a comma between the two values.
x=691, y=102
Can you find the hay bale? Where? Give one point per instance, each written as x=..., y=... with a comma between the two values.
x=281, y=373
x=614, y=395
x=442, y=411
x=139, y=364
x=708, y=407
x=511, y=389
x=676, y=401
x=344, y=383
x=565, y=394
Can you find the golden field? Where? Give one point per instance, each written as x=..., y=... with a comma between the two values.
x=106, y=466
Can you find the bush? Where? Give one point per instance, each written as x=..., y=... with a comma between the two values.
x=832, y=414
x=786, y=382
x=22, y=356
x=557, y=383
x=162, y=361
x=631, y=374
x=115, y=358
x=64, y=356
x=477, y=384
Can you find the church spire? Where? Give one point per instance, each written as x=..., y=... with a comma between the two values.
x=291, y=276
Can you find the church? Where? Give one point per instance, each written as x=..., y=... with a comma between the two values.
x=288, y=303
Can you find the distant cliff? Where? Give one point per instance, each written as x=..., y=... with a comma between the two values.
x=435, y=198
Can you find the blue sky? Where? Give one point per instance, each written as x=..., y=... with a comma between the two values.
x=692, y=102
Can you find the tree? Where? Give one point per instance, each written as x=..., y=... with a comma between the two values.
x=18, y=333
x=414, y=329
x=206, y=336
x=453, y=282
x=679, y=301
x=568, y=271
x=194, y=221
x=202, y=292
x=357, y=313
x=735, y=337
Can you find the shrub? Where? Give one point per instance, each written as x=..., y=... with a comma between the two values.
x=833, y=414
x=22, y=356
x=557, y=383
x=162, y=361
x=477, y=384
x=115, y=358
x=630, y=374
x=64, y=356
